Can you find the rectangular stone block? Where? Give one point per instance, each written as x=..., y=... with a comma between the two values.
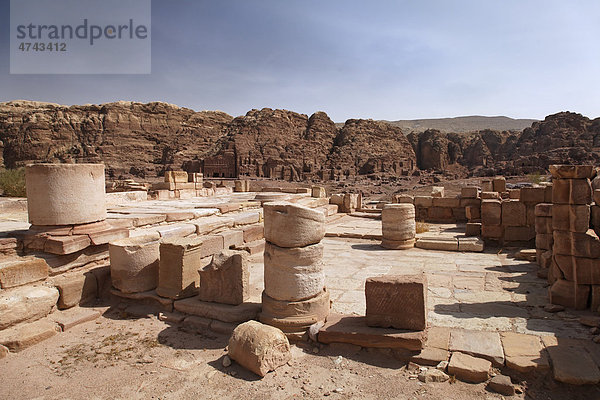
x=469, y=192
x=442, y=214
x=108, y=235
x=180, y=260
x=487, y=186
x=473, y=213
x=492, y=231
x=473, y=229
x=438, y=243
x=565, y=265
x=595, y=306
x=543, y=225
x=532, y=195
x=210, y=224
x=530, y=211
x=403, y=199
x=422, y=213
x=574, y=218
x=569, y=294
x=185, y=185
x=544, y=241
x=491, y=212
x=75, y=288
x=176, y=176
x=26, y=303
x=586, y=270
x=470, y=244
x=22, y=271
x=423, y=201
x=595, y=217
x=211, y=244
x=571, y=191
x=470, y=202
x=246, y=218
x=26, y=335
x=543, y=210
x=572, y=171
x=232, y=238
x=519, y=233
x=459, y=214
x=66, y=244
x=226, y=279
x=548, y=193
x=318, y=192
x=196, y=177
x=437, y=191
x=397, y=301
x=514, y=194
x=167, y=186
x=499, y=184
x=449, y=202
x=253, y=233
x=513, y=213
x=544, y=258
x=184, y=194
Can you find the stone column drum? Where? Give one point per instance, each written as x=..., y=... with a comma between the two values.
x=65, y=194
x=295, y=296
x=398, y=226
x=134, y=263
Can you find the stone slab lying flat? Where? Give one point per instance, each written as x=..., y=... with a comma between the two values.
x=524, y=353
x=22, y=271
x=354, y=330
x=447, y=244
x=222, y=312
x=479, y=344
x=430, y=356
x=571, y=362
x=74, y=316
x=25, y=335
x=468, y=368
x=26, y=303
x=149, y=297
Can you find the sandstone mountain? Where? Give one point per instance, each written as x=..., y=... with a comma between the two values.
x=465, y=124
x=144, y=140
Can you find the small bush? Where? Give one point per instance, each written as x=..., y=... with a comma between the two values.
x=422, y=227
x=12, y=182
x=536, y=178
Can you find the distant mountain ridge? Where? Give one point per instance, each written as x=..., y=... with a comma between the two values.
x=464, y=124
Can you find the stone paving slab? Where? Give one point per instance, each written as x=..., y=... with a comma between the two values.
x=478, y=344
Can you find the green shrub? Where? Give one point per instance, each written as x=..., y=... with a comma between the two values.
x=12, y=182
x=536, y=178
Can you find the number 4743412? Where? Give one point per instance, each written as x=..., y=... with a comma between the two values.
x=39, y=46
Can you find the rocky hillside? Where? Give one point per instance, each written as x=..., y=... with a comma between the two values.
x=146, y=139
x=466, y=124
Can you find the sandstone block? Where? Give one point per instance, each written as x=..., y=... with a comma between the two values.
x=524, y=353
x=253, y=232
x=532, y=195
x=573, y=365
x=487, y=186
x=180, y=260
x=26, y=335
x=66, y=244
x=226, y=279
x=293, y=273
x=499, y=184
x=513, y=213
x=241, y=186
x=571, y=191
x=595, y=217
x=65, y=194
x=469, y=192
x=519, y=233
x=530, y=211
x=502, y=384
x=134, y=264
x=442, y=214
x=210, y=224
x=73, y=317
x=478, y=344
x=543, y=210
x=351, y=202
x=223, y=312
x=514, y=194
x=430, y=356
x=398, y=222
x=468, y=368
x=574, y=218
x=490, y=196
x=295, y=315
x=569, y=294
x=318, y=191
x=26, y=303
x=545, y=258
x=473, y=229
x=397, y=301
x=548, y=193
x=211, y=244
x=492, y=231
x=565, y=265
x=423, y=201
x=437, y=191
x=259, y=348
x=290, y=225
x=491, y=212
x=595, y=305
x=473, y=213
x=450, y=202
x=75, y=288
x=596, y=196
x=586, y=271
x=246, y=218
x=577, y=244
x=398, y=244
x=572, y=171
x=22, y=271
x=176, y=176
x=543, y=225
x=437, y=243
x=470, y=244
x=232, y=238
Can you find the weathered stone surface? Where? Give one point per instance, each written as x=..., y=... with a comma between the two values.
x=572, y=171
x=499, y=184
x=180, y=260
x=468, y=368
x=134, y=264
x=577, y=244
x=176, y=176
x=75, y=288
x=473, y=229
x=437, y=191
x=519, y=233
x=26, y=335
x=502, y=384
x=533, y=195
x=430, y=356
x=65, y=194
x=543, y=210
x=513, y=213
x=66, y=244
x=226, y=279
x=398, y=244
x=293, y=273
x=259, y=348
x=524, y=353
x=232, y=238
x=437, y=243
x=397, y=301
x=3, y=351
x=423, y=201
x=72, y=317
x=469, y=192
x=543, y=225
x=290, y=225
x=398, y=222
x=222, y=312
x=492, y=231
x=433, y=375
x=295, y=315
x=574, y=218
x=479, y=344
x=489, y=195
x=253, y=233
x=22, y=271
x=491, y=212
x=569, y=294
x=26, y=303
x=571, y=191
x=354, y=330
x=573, y=365
x=318, y=191
x=586, y=271
x=148, y=298
x=210, y=224
x=470, y=244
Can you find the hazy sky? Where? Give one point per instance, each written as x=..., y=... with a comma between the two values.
x=352, y=59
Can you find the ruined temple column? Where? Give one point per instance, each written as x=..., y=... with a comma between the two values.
x=398, y=226
x=295, y=296
x=65, y=194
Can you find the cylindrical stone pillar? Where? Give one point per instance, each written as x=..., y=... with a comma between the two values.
x=295, y=296
x=65, y=194
x=134, y=263
x=398, y=226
